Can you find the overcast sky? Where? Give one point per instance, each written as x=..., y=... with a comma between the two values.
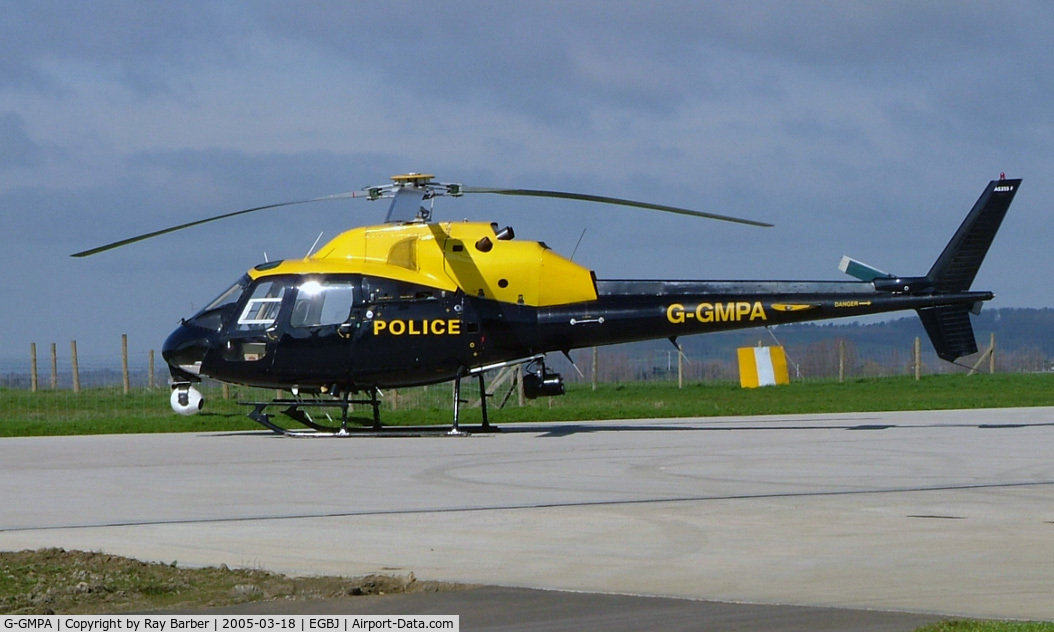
x=859, y=128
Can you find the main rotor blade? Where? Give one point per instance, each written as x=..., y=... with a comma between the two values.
x=610, y=200
x=132, y=240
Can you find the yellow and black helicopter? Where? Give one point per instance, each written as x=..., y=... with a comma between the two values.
x=415, y=301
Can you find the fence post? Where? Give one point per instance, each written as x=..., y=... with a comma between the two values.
x=990, y=354
x=33, y=367
x=124, y=364
x=918, y=359
x=596, y=366
x=841, y=360
x=680, y=366
x=76, y=367
x=54, y=367
x=150, y=371
x=991, y=358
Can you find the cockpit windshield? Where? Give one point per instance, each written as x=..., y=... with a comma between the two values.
x=213, y=315
x=228, y=296
x=249, y=306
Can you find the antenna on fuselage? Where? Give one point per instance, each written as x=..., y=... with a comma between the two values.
x=312, y=248
x=577, y=244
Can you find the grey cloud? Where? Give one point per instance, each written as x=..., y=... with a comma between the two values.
x=141, y=43
x=558, y=62
x=17, y=149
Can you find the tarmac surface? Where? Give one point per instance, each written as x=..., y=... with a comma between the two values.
x=493, y=609
x=944, y=513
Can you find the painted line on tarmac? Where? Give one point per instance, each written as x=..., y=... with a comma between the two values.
x=529, y=506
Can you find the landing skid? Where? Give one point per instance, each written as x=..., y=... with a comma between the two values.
x=296, y=409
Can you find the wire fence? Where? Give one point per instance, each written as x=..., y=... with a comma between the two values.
x=145, y=370
x=53, y=382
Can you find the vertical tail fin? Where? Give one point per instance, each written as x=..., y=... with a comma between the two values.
x=949, y=327
x=955, y=269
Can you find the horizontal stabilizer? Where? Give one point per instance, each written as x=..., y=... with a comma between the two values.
x=950, y=331
x=861, y=270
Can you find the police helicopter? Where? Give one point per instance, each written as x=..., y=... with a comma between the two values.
x=416, y=301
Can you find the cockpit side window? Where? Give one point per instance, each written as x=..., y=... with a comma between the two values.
x=326, y=302
x=261, y=310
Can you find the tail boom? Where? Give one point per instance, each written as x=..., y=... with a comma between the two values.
x=630, y=311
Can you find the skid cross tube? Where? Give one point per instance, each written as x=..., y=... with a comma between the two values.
x=455, y=429
x=294, y=410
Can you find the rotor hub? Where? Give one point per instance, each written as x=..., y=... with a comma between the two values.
x=413, y=178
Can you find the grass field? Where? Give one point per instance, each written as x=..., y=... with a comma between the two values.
x=104, y=411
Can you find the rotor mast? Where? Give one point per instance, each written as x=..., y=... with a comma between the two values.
x=408, y=192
